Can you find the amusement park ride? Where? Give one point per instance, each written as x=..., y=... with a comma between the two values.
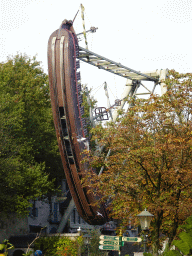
x=64, y=56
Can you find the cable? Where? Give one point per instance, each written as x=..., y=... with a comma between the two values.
x=84, y=30
x=99, y=87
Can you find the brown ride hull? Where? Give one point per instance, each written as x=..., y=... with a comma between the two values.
x=67, y=113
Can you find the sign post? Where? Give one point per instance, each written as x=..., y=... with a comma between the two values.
x=114, y=243
x=131, y=239
x=109, y=247
x=120, y=241
x=109, y=243
x=109, y=238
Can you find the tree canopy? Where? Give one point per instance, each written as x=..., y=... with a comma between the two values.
x=150, y=164
x=29, y=153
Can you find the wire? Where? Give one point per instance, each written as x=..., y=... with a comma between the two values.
x=75, y=16
x=111, y=92
x=97, y=88
x=115, y=86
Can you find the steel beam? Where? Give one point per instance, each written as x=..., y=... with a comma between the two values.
x=66, y=216
x=114, y=67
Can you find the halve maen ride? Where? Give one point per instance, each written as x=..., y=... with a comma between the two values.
x=70, y=126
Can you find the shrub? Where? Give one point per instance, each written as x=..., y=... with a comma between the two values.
x=56, y=245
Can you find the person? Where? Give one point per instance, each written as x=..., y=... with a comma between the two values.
x=38, y=253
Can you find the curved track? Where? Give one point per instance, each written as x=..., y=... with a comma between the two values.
x=66, y=99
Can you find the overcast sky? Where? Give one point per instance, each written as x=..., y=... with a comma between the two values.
x=143, y=35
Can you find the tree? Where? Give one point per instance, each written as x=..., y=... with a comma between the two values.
x=184, y=243
x=28, y=147
x=94, y=243
x=150, y=164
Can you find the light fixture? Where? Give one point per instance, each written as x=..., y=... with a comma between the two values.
x=145, y=218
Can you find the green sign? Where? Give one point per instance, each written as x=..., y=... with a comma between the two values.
x=109, y=242
x=131, y=239
x=109, y=237
x=109, y=247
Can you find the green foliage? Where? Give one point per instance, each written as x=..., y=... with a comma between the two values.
x=27, y=254
x=88, y=103
x=48, y=245
x=56, y=245
x=94, y=243
x=173, y=253
x=67, y=247
x=184, y=244
x=28, y=147
x=6, y=246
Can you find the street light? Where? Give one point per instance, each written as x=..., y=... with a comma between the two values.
x=145, y=218
x=87, y=241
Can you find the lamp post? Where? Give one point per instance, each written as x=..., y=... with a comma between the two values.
x=145, y=218
x=87, y=238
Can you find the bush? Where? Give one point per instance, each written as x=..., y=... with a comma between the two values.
x=56, y=245
x=68, y=247
x=48, y=245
